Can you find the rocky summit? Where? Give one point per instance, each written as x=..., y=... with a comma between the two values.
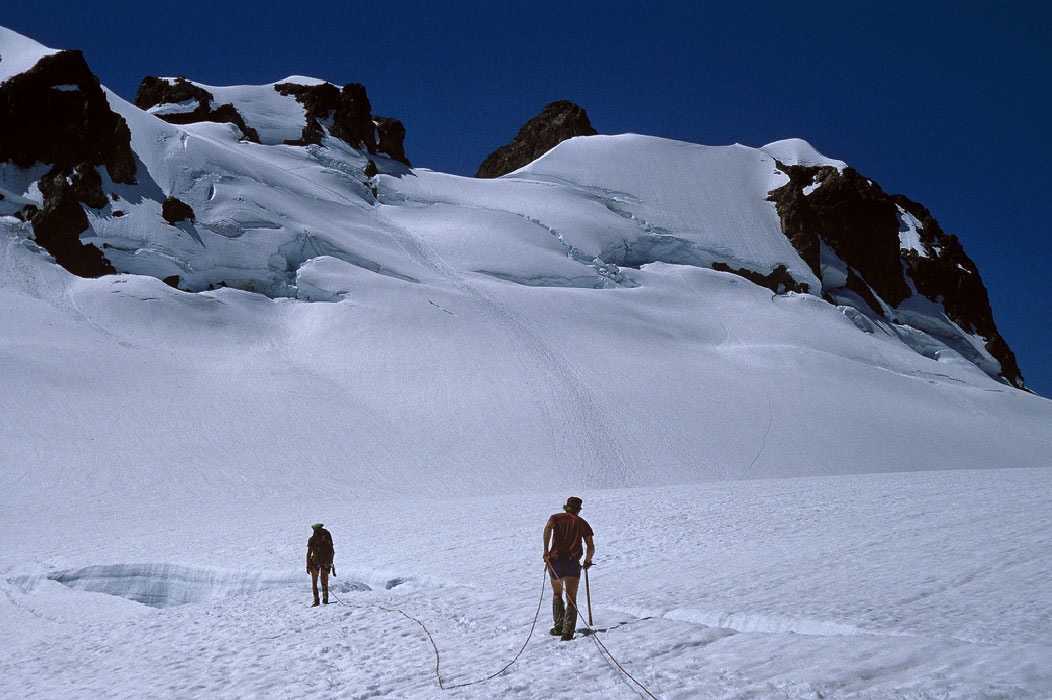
x=557, y=122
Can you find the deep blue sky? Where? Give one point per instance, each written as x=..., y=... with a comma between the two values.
x=945, y=102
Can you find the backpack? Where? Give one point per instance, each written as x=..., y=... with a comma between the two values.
x=321, y=544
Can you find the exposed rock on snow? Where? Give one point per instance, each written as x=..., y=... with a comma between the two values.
x=557, y=122
x=175, y=210
x=862, y=226
x=353, y=120
x=948, y=275
x=850, y=214
x=347, y=113
x=319, y=102
x=778, y=280
x=324, y=110
x=155, y=92
x=391, y=138
x=60, y=222
x=57, y=113
x=64, y=128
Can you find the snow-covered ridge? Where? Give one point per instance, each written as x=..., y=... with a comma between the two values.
x=314, y=202
x=800, y=152
x=18, y=53
x=625, y=200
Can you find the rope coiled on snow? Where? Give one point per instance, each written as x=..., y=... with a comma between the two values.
x=533, y=626
x=438, y=656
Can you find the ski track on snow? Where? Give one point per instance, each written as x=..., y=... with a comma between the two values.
x=566, y=395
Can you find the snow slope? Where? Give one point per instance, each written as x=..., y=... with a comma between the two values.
x=790, y=500
x=19, y=53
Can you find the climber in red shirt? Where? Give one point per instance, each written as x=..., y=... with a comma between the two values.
x=563, y=536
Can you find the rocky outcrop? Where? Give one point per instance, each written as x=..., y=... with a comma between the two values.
x=862, y=225
x=949, y=275
x=319, y=103
x=174, y=210
x=556, y=123
x=58, y=225
x=156, y=91
x=348, y=113
x=778, y=280
x=343, y=113
x=391, y=138
x=352, y=120
x=852, y=216
x=57, y=113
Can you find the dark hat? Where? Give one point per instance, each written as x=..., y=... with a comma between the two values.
x=317, y=526
x=573, y=503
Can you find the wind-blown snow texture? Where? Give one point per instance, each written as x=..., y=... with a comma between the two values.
x=435, y=364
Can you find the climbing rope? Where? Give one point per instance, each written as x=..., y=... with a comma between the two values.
x=438, y=656
x=602, y=647
x=533, y=626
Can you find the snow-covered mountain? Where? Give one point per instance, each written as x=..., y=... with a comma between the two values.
x=624, y=308
x=229, y=312
x=256, y=186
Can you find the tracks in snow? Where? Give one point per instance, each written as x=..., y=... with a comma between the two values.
x=576, y=412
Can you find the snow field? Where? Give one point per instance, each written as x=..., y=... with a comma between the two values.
x=916, y=585
x=479, y=351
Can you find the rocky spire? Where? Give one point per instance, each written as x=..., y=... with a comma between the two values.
x=557, y=122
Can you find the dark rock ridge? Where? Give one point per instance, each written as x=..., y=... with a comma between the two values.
x=352, y=119
x=556, y=123
x=156, y=91
x=861, y=225
x=348, y=113
x=319, y=103
x=391, y=138
x=57, y=113
x=58, y=226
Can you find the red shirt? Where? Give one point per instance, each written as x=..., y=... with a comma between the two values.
x=568, y=530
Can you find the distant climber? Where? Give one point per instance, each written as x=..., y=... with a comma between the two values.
x=563, y=535
x=319, y=561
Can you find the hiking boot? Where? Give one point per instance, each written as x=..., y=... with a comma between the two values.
x=314, y=604
x=569, y=624
x=558, y=614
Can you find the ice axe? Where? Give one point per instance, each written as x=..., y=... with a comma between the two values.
x=588, y=595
